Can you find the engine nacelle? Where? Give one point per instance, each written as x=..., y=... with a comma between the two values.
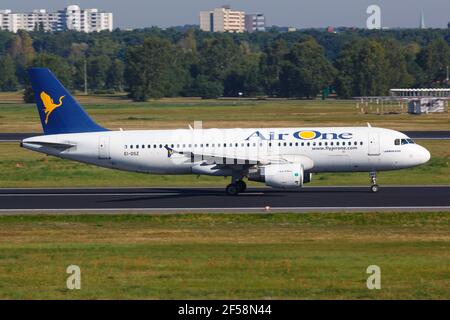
x=280, y=176
x=307, y=177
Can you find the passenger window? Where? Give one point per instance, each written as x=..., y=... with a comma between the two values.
x=331, y=143
x=125, y=146
x=337, y=143
x=131, y=146
x=308, y=144
x=149, y=146
x=154, y=146
x=160, y=146
x=356, y=143
x=137, y=146
x=303, y=144
x=320, y=143
x=361, y=143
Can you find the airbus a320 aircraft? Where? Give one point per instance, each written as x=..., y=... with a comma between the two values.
x=283, y=158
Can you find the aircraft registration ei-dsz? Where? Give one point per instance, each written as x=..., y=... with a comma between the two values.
x=282, y=158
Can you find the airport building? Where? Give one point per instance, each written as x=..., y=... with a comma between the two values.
x=70, y=18
x=423, y=100
x=225, y=19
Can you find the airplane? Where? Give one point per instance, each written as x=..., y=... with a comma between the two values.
x=282, y=158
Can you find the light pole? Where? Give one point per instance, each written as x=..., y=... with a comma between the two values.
x=447, y=74
x=85, y=77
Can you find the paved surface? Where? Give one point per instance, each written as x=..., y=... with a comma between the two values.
x=419, y=198
x=6, y=137
x=433, y=135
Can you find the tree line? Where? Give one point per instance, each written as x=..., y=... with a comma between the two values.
x=155, y=63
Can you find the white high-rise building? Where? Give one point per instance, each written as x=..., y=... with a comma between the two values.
x=71, y=18
x=222, y=20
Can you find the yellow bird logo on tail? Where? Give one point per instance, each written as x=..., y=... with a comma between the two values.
x=49, y=105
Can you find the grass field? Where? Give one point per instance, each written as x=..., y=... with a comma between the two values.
x=289, y=256
x=23, y=168
x=116, y=112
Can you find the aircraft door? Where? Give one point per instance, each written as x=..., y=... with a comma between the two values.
x=374, y=144
x=103, y=147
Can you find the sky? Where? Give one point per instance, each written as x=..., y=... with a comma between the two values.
x=293, y=13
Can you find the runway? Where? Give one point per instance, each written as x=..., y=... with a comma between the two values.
x=166, y=200
x=423, y=135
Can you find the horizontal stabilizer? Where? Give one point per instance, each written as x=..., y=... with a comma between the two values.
x=53, y=145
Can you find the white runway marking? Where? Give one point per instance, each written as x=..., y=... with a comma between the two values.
x=85, y=194
x=218, y=210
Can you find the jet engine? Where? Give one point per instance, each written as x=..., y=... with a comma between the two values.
x=281, y=176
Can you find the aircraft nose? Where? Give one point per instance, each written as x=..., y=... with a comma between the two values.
x=424, y=155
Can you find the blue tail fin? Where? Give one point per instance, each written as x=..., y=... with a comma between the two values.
x=58, y=110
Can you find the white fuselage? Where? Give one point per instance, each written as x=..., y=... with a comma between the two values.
x=343, y=149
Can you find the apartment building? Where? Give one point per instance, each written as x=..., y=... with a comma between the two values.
x=222, y=20
x=255, y=22
x=70, y=18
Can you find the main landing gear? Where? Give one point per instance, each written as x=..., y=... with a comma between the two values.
x=235, y=188
x=373, y=179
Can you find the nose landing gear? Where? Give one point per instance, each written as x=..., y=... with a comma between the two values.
x=373, y=179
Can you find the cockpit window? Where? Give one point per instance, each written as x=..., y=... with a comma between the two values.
x=398, y=142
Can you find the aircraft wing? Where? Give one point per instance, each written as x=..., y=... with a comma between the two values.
x=231, y=160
